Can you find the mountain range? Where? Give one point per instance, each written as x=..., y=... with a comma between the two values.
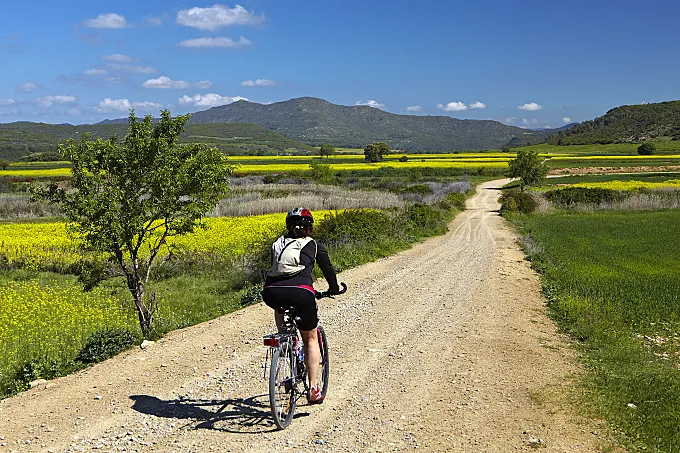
x=316, y=121
x=298, y=123
x=627, y=123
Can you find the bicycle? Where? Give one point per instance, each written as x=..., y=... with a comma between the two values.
x=287, y=372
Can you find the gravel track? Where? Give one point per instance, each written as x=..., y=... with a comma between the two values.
x=443, y=347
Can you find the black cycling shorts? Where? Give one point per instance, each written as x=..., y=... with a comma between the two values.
x=301, y=299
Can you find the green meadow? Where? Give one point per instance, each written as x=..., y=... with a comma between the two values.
x=612, y=281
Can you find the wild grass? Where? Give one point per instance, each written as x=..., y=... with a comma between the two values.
x=612, y=282
x=20, y=206
x=648, y=201
x=260, y=199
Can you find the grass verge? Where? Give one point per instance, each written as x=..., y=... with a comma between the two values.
x=613, y=283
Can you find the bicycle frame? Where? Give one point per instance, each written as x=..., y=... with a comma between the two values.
x=287, y=335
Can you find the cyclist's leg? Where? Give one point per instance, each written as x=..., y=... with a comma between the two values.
x=278, y=319
x=272, y=298
x=312, y=354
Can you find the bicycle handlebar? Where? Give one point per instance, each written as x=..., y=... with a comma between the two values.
x=322, y=294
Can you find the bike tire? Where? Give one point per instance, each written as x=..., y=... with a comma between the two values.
x=324, y=364
x=282, y=385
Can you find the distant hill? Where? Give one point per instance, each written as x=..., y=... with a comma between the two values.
x=534, y=137
x=24, y=138
x=627, y=123
x=315, y=121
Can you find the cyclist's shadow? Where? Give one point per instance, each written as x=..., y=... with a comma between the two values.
x=238, y=415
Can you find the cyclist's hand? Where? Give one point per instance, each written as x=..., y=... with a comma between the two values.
x=334, y=290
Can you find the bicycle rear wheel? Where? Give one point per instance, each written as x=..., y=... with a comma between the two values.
x=282, y=385
x=324, y=369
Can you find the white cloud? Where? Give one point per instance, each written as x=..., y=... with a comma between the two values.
x=136, y=69
x=532, y=107
x=120, y=58
x=414, y=108
x=510, y=119
x=477, y=105
x=199, y=43
x=113, y=105
x=49, y=101
x=258, y=83
x=109, y=105
x=108, y=20
x=209, y=100
x=146, y=105
x=167, y=83
x=371, y=103
x=95, y=72
x=8, y=101
x=156, y=21
x=529, y=122
x=217, y=16
x=566, y=120
x=28, y=87
x=452, y=107
x=74, y=111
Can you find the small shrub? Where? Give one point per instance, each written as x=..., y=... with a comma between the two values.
x=105, y=344
x=251, y=295
x=38, y=369
x=425, y=220
x=646, y=149
x=453, y=201
x=320, y=172
x=352, y=225
x=403, y=159
x=596, y=195
x=419, y=189
x=517, y=200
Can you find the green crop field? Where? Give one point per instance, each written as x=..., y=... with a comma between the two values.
x=613, y=282
x=662, y=147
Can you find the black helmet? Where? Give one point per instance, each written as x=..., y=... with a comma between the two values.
x=299, y=216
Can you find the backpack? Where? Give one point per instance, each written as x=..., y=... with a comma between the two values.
x=286, y=256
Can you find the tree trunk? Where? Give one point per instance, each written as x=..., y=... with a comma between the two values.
x=143, y=312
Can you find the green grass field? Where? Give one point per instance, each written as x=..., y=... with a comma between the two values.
x=662, y=147
x=613, y=283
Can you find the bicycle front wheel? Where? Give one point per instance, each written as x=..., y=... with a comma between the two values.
x=324, y=369
x=282, y=385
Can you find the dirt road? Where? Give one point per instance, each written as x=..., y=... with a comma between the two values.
x=444, y=347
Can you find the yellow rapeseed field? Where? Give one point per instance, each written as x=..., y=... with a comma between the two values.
x=47, y=246
x=631, y=185
x=52, y=321
x=267, y=164
x=37, y=173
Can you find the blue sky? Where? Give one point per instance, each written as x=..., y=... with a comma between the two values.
x=528, y=63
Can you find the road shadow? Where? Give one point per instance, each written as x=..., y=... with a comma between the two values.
x=238, y=415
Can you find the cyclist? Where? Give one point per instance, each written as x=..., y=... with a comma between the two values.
x=289, y=284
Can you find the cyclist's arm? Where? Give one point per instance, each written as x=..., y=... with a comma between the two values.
x=324, y=262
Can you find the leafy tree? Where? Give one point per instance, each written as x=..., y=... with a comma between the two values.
x=326, y=150
x=4, y=163
x=646, y=149
x=376, y=151
x=131, y=195
x=403, y=158
x=320, y=172
x=529, y=167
